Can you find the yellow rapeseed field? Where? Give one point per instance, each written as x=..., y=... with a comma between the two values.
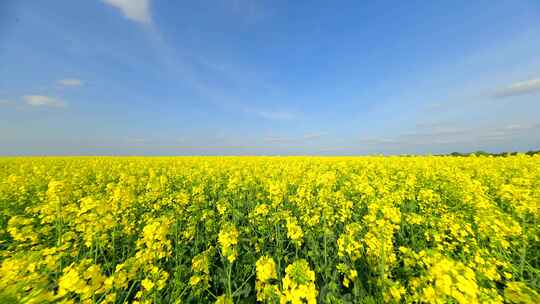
x=270, y=229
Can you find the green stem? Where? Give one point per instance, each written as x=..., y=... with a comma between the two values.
x=129, y=292
x=229, y=288
x=243, y=284
x=211, y=293
x=325, y=250
x=524, y=249
x=113, y=245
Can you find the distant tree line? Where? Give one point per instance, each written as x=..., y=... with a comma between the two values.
x=484, y=153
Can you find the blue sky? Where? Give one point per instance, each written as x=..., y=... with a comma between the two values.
x=243, y=77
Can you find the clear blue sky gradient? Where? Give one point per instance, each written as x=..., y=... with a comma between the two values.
x=268, y=77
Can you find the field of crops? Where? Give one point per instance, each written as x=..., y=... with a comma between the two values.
x=270, y=230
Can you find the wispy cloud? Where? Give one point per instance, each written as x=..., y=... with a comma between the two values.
x=273, y=115
x=519, y=88
x=6, y=103
x=520, y=127
x=300, y=139
x=229, y=86
x=378, y=141
x=313, y=136
x=332, y=149
x=442, y=134
x=179, y=64
x=435, y=129
x=248, y=10
x=432, y=124
x=135, y=140
x=70, y=82
x=43, y=101
x=486, y=97
x=436, y=106
x=136, y=10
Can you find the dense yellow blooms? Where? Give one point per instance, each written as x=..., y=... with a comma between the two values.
x=270, y=229
x=266, y=273
x=294, y=232
x=228, y=238
x=299, y=284
x=266, y=269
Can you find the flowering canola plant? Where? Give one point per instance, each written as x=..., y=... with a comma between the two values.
x=270, y=229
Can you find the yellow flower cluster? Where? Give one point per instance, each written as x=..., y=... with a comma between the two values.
x=228, y=238
x=270, y=229
x=294, y=232
x=299, y=284
x=200, y=265
x=266, y=274
x=85, y=280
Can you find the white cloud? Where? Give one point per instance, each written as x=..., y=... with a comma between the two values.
x=432, y=124
x=442, y=134
x=521, y=127
x=311, y=136
x=70, y=82
x=5, y=102
x=136, y=10
x=43, y=101
x=277, y=139
x=274, y=115
x=378, y=141
x=519, y=88
x=332, y=149
x=305, y=138
x=135, y=140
